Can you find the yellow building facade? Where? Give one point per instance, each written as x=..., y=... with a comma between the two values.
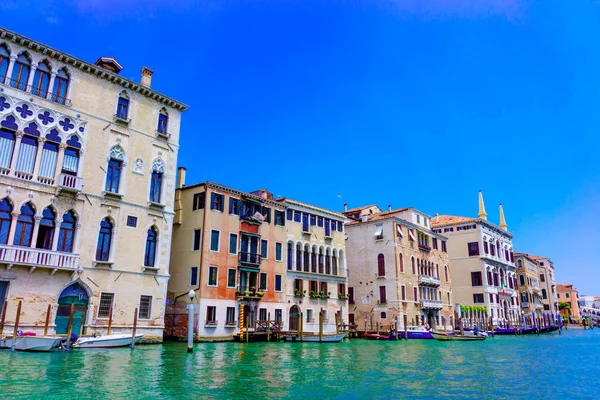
x=530, y=292
x=87, y=173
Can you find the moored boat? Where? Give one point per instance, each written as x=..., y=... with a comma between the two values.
x=456, y=337
x=416, y=332
x=325, y=338
x=376, y=336
x=106, y=342
x=32, y=343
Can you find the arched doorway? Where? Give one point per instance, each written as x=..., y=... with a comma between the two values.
x=72, y=294
x=294, y=318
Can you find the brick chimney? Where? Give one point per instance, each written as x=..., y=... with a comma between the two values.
x=147, y=77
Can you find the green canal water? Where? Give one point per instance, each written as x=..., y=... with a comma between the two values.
x=538, y=367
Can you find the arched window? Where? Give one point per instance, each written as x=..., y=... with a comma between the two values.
x=20, y=72
x=328, y=262
x=298, y=257
x=519, y=263
x=61, y=86
x=46, y=230
x=158, y=168
x=306, y=260
x=380, y=265
x=71, y=157
x=498, y=248
x=163, y=121
x=123, y=106
x=67, y=233
x=27, y=155
x=321, y=260
x=4, y=61
x=401, y=259
x=334, y=263
x=446, y=273
x=7, y=145
x=313, y=260
x=412, y=261
x=24, y=230
x=544, y=294
x=437, y=271
x=290, y=255
x=104, y=240
x=49, y=155
x=41, y=79
x=150, y=254
x=522, y=280
x=5, y=220
x=115, y=164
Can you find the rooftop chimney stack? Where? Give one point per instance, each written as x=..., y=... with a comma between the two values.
x=389, y=208
x=345, y=207
x=147, y=77
x=437, y=217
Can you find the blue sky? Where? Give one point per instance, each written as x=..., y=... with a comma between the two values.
x=408, y=103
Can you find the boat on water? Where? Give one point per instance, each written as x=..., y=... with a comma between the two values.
x=376, y=336
x=416, y=332
x=31, y=343
x=457, y=336
x=325, y=338
x=106, y=342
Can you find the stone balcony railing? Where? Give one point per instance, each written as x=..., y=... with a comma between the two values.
x=30, y=257
x=433, y=304
x=69, y=182
x=429, y=280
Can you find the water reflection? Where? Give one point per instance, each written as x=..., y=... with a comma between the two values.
x=505, y=367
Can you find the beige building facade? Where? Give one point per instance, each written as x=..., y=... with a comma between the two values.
x=87, y=172
x=397, y=269
x=316, y=273
x=484, y=272
x=530, y=292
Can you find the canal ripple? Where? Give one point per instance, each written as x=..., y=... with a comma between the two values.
x=547, y=366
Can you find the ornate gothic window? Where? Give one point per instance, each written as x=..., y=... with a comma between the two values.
x=46, y=230
x=158, y=168
x=104, y=240
x=4, y=61
x=61, y=86
x=5, y=220
x=41, y=79
x=151, y=241
x=20, y=72
x=24, y=231
x=123, y=106
x=67, y=232
x=163, y=121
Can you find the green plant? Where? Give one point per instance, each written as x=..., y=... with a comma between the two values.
x=298, y=293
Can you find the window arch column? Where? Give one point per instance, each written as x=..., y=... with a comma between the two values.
x=76, y=238
x=30, y=78
x=36, y=227
x=16, y=149
x=13, y=227
x=57, y=223
x=11, y=65
x=51, y=85
x=38, y=157
x=60, y=160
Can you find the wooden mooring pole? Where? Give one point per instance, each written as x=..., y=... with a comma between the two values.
x=134, y=328
x=3, y=317
x=405, y=326
x=301, y=326
x=70, y=325
x=16, y=328
x=47, y=319
x=268, y=327
x=110, y=315
x=320, y=325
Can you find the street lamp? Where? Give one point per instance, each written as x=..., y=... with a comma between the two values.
x=190, y=308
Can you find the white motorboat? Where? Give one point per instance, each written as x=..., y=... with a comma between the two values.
x=31, y=343
x=326, y=338
x=106, y=342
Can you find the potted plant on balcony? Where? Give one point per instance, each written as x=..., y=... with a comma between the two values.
x=259, y=294
x=299, y=293
x=343, y=296
x=314, y=295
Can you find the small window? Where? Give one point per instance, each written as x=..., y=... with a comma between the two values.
x=163, y=121
x=231, y=277
x=216, y=201
x=196, y=239
x=145, y=309
x=193, y=276
x=213, y=275
x=279, y=218
x=297, y=216
x=278, y=252
x=263, y=249
x=211, y=315
x=309, y=316
x=320, y=222
x=290, y=214
x=473, y=248
x=403, y=291
x=132, y=221
x=278, y=280
x=263, y=281
x=106, y=304
x=477, y=297
x=379, y=232
x=199, y=201
x=123, y=107
x=418, y=219
x=444, y=246
x=383, y=315
x=233, y=240
x=476, y=279
x=214, y=240
x=230, y=320
x=234, y=206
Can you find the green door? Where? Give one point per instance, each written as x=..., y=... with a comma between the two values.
x=73, y=294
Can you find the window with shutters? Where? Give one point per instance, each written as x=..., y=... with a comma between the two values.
x=214, y=240
x=279, y=218
x=476, y=279
x=380, y=265
x=382, y=295
x=196, y=239
x=234, y=206
x=216, y=201
x=233, y=241
x=106, y=304
x=145, y=310
x=198, y=201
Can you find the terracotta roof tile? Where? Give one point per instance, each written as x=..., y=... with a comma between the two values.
x=449, y=219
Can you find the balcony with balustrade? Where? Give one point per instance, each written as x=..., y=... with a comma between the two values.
x=427, y=280
x=251, y=260
x=38, y=258
x=432, y=304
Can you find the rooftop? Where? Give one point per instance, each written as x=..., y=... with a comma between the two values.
x=449, y=219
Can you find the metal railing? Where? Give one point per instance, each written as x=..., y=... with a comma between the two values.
x=36, y=91
x=38, y=257
x=249, y=258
